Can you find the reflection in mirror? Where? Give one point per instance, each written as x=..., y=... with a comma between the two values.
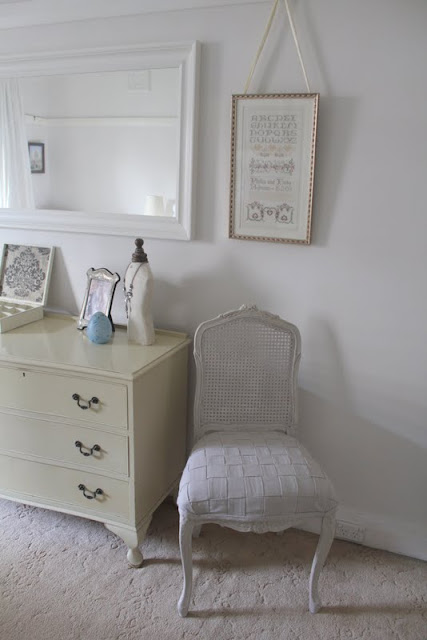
x=118, y=128
x=111, y=140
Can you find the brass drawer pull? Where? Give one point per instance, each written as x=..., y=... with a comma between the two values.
x=90, y=451
x=88, y=404
x=97, y=492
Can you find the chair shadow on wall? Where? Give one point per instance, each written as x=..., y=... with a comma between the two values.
x=330, y=422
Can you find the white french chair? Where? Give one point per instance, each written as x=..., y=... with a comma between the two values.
x=247, y=470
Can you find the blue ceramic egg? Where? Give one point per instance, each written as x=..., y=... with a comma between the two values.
x=99, y=328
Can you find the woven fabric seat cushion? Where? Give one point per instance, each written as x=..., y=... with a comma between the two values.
x=238, y=475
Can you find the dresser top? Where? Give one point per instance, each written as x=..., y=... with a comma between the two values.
x=56, y=341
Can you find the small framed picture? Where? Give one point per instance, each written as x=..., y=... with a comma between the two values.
x=36, y=151
x=101, y=284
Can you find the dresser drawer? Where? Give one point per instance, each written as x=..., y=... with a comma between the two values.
x=53, y=441
x=38, y=481
x=53, y=395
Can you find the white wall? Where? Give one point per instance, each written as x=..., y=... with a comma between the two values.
x=358, y=293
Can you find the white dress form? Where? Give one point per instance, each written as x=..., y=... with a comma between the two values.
x=138, y=288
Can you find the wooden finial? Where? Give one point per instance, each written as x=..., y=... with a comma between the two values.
x=139, y=255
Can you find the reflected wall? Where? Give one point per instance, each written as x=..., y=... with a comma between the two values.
x=111, y=140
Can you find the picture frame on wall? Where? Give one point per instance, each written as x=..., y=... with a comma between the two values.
x=36, y=151
x=273, y=140
x=100, y=288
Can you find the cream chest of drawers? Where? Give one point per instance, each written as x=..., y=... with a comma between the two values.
x=98, y=431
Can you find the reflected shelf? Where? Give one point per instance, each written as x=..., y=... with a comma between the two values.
x=102, y=121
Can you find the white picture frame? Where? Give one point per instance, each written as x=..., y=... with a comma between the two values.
x=273, y=143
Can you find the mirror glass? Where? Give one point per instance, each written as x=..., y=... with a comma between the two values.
x=110, y=140
x=117, y=129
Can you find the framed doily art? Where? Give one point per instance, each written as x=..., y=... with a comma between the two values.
x=24, y=284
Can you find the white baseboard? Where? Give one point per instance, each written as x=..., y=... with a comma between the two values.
x=380, y=532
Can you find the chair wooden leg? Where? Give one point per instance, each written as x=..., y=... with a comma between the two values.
x=185, y=545
x=322, y=550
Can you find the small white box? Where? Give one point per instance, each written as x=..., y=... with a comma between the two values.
x=24, y=284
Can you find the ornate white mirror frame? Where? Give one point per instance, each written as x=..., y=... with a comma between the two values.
x=185, y=57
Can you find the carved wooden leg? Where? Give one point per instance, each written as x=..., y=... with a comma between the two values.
x=196, y=530
x=132, y=538
x=185, y=540
x=322, y=550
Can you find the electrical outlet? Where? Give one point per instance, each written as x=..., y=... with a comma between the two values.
x=349, y=531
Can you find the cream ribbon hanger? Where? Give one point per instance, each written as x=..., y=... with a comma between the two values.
x=263, y=41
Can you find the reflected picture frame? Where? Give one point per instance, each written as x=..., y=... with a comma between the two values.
x=273, y=140
x=36, y=153
x=100, y=288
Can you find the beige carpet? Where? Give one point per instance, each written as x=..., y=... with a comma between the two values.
x=65, y=578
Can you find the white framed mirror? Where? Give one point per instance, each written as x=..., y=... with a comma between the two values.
x=118, y=126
